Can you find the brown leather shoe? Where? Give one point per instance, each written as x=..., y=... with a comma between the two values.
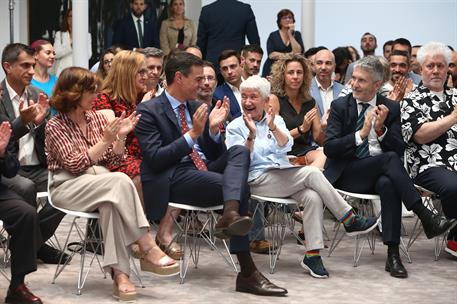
x=173, y=250
x=236, y=225
x=21, y=294
x=257, y=284
x=260, y=246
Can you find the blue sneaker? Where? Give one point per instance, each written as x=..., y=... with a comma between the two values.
x=361, y=225
x=315, y=267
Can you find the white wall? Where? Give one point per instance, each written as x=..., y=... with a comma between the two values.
x=20, y=24
x=340, y=23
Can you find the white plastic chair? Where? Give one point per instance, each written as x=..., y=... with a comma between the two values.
x=280, y=220
x=84, y=236
x=191, y=248
x=6, y=254
x=365, y=208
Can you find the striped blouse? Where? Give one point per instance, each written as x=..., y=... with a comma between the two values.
x=67, y=147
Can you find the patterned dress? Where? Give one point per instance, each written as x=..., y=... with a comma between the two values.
x=131, y=164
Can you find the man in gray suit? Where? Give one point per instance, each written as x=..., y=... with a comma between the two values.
x=26, y=108
x=323, y=89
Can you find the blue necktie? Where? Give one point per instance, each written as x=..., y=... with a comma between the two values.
x=362, y=150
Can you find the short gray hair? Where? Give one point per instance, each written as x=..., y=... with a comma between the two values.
x=373, y=65
x=434, y=48
x=256, y=82
x=152, y=52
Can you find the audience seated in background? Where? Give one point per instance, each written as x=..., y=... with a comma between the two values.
x=270, y=173
x=403, y=44
x=185, y=161
x=415, y=66
x=399, y=84
x=251, y=58
x=368, y=44
x=291, y=81
x=105, y=63
x=354, y=54
x=80, y=143
x=453, y=70
x=230, y=68
x=121, y=92
x=282, y=41
x=20, y=221
x=343, y=59
x=44, y=61
x=323, y=88
x=363, y=145
x=63, y=44
x=195, y=50
x=387, y=49
x=429, y=118
x=136, y=30
x=26, y=108
x=154, y=64
x=310, y=53
x=177, y=31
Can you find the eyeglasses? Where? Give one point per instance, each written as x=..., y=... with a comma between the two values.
x=209, y=78
x=107, y=61
x=287, y=17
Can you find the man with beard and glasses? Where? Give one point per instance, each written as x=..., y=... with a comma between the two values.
x=136, y=30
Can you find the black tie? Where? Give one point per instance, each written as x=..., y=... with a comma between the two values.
x=362, y=150
x=140, y=33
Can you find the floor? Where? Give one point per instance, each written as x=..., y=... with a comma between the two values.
x=429, y=281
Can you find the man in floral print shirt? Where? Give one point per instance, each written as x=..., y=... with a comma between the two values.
x=429, y=127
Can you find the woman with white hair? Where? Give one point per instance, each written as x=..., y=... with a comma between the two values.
x=271, y=174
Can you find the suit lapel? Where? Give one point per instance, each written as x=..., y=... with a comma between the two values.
x=169, y=111
x=7, y=103
x=235, y=109
x=317, y=96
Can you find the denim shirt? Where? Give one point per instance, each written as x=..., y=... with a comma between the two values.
x=266, y=153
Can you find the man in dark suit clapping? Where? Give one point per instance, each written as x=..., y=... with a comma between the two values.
x=185, y=161
x=364, y=146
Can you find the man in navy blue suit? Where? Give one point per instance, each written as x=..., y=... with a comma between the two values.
x=185, y=161
x=363, y=148
x=224, y=25
x=231, y=70
x=136, y=30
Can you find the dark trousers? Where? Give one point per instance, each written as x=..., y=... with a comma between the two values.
x=21, y=221
x=444, y=183
x=226, y=179
x=385, y=175
x=29, y=181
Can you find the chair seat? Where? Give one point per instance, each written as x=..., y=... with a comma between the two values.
x=195, y=208
x=359, y=195
x=278, y=200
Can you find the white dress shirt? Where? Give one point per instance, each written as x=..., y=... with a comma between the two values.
x=237, y=94
x=27, y=155
x=326, y=94
x=374, y=146
x=135, y=21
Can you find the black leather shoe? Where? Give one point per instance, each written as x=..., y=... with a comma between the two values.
x=50, y=255
x=235, y=226
x=21, y=294
x=257, y=284
x=395, y=266
x=435, y=225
